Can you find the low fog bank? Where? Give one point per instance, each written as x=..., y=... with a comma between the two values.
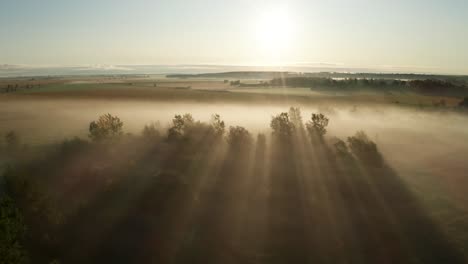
x=406, y=131
x=210, y=191
x=414, y=141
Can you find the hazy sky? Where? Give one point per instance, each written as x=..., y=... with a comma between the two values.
x=419, y=35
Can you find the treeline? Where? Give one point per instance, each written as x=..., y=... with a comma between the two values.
x=428, y=86
x=10, y=88
x=458, y=80
x=203, y=192
x=335, y=83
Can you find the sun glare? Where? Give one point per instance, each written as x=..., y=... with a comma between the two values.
x=273, y=33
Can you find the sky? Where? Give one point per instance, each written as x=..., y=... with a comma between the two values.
x=404, y=35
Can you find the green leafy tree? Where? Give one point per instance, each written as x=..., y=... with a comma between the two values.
x=105, y=128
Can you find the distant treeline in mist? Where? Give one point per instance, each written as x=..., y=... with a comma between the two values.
x=202, y=192
x=456, y=79
x=444, y=85
x=428, y=86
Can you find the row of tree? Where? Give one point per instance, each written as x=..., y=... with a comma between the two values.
x=9, y=88
x=285, y=127
x=109, y=127
x=429, y=86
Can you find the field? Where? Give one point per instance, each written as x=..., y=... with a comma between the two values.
x=420, y=195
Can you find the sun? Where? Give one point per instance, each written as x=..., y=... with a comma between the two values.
x=274, y=32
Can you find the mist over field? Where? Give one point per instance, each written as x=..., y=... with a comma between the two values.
x=266, y=132
x=206, y=168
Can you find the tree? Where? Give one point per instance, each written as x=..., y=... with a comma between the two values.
x=180, y=126
x=107, y=127
x=217, y=125
x=239, y=137
x=295, y=116
x=340, y=147
x=364, y=149
x=317, y=126
x=12, y=231
x=282, y=127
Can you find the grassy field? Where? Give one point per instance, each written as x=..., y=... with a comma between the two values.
x=160, y=89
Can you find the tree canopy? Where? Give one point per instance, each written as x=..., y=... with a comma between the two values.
x=106, y=127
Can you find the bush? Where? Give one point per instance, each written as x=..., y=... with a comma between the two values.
x=235, y=83
x=107, y=127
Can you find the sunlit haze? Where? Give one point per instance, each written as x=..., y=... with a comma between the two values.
x=237, y=132
x=399, y=36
